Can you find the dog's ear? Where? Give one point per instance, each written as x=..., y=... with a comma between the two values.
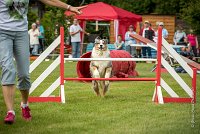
x=98, y=37
x=97, y=40
x=105, y=41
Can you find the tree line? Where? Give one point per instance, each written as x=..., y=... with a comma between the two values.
x=187, y=10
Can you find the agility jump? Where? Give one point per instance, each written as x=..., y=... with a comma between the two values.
x=160, y=83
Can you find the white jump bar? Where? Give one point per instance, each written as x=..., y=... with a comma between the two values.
x=109, y=59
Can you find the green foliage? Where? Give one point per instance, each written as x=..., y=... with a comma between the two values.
x=136, y=6
x=191, y=14
x=32, y=17
x=165, y=7
x=52, y=20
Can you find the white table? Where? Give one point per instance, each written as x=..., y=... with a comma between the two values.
x=138, y=45
x=141, y=45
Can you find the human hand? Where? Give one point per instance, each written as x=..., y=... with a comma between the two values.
x=76, y=9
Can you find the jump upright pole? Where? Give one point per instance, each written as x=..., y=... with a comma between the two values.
x=158, y=94
x=194, y=84
x=62, y=92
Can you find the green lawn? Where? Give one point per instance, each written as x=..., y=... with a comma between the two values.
x=127, y=108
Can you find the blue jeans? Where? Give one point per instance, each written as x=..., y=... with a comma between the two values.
x=76, y=49
x=131, y=50
x=35, y=49
x=15, y=44
x=146, y=50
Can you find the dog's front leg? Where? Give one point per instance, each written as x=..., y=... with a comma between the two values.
x=106, y=84
x=96, y=87
x=94, y=82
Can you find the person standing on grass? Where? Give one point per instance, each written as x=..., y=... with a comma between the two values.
x=74, y=31
x=164, y=31
x=192, y=39
x=34, y=40
x=41, y=36
x=14, y=42
x=147, y=32
x=129, y=40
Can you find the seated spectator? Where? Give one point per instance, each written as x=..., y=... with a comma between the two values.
x=186, y=52
x=119, y=44
x=180, y=37
x=129, y=40
x=179, y=69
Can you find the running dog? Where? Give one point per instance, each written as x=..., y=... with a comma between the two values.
x=100, y=69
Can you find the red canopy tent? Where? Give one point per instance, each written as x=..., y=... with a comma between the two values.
x=104, y=12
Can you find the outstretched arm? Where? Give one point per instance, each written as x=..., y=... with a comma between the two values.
x=85, y=32
x=60, y=4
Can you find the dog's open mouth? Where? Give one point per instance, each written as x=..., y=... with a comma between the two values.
x=101, y=47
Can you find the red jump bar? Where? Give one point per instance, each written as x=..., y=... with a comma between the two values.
x=112, y=79
x=177, y=100
x=44, y=99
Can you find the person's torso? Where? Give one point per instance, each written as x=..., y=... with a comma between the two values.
x=130, y=32
x=164, y=33
x=179, y=36
x=41, y=30
x=148, y=33
x=14, y=15
x=129, y=39
x=143, y=32
x=33, y=38
x=119, y=43
x=76, y=37
x=192, y=39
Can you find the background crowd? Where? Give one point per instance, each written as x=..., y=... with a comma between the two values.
x=36, y=35
x=187, y=43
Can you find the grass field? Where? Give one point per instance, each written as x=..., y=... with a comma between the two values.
x=127, y=108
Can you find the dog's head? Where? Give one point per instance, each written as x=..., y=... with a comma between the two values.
x=100, y=44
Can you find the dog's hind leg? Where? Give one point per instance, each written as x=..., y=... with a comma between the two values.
x=107, y=83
